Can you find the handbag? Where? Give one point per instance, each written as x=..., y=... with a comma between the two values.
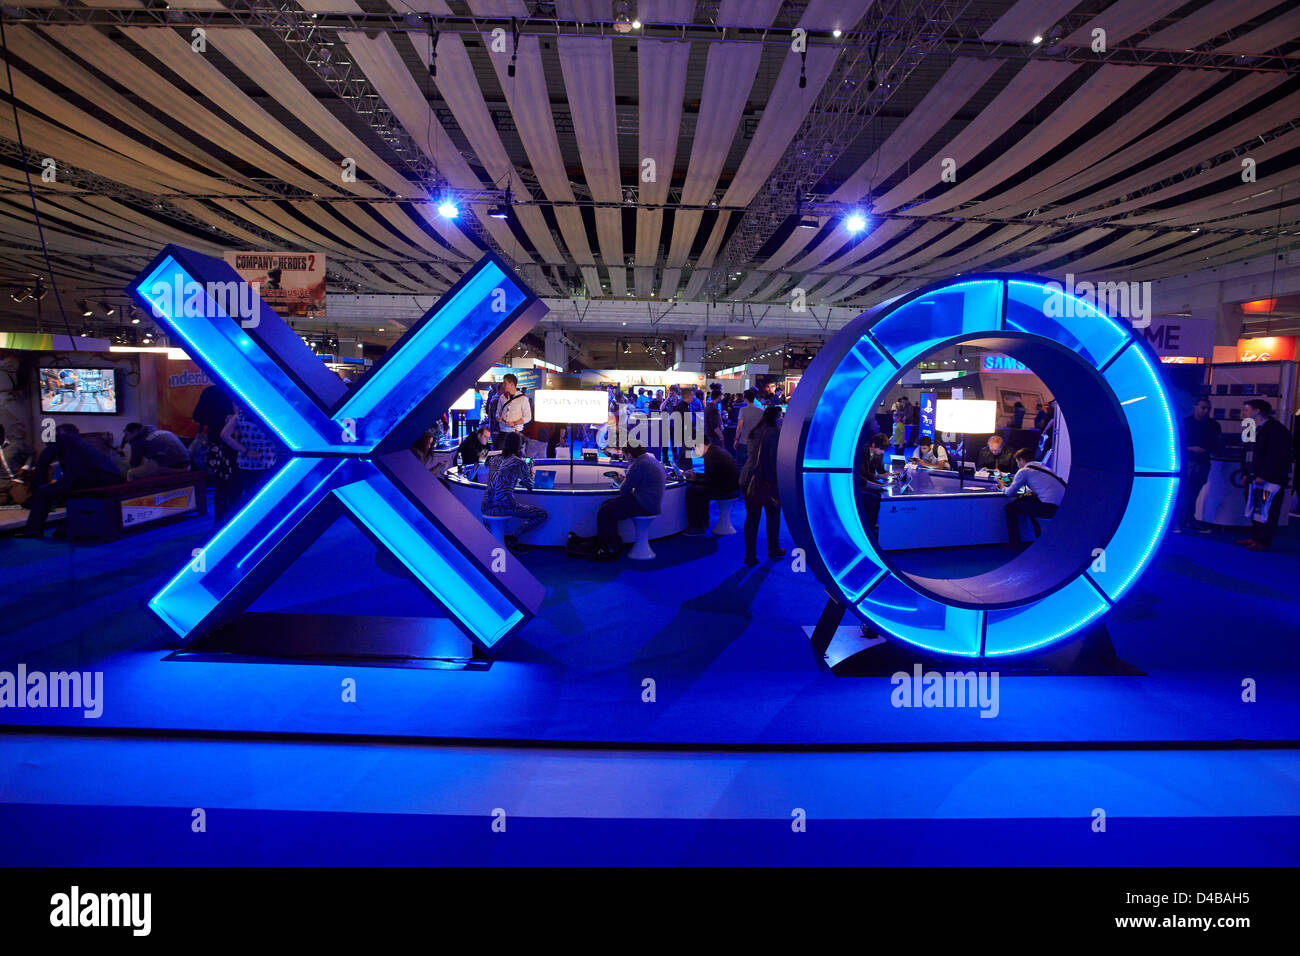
x=220, y=461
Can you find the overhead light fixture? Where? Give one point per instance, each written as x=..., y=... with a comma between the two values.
x=448, y=209
x=499, y=211
x=86, y=310
x=855, y=222
x=109, y=308
x=808, y=222
x=837, y=33
x=1037, y=40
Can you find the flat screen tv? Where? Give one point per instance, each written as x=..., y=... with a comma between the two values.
x=79, y=391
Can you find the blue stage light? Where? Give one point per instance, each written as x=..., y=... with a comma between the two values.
x=348, y=449
x=448, y=209
x=855, y=222
x=821, y=441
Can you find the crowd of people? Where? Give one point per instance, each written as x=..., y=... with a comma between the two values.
x=740, y=448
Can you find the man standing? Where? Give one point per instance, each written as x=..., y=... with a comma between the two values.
x=1202, y=437
x=750, y=415
x=1045, y=489
x=513, y=410
x=713, y=434
x=1266, y=471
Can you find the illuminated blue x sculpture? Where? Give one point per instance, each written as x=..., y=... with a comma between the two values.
x=349, y=447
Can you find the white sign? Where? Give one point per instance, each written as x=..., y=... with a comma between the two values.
x=967, y=416
x=466, y=403
x=570, y=406
x=1172, y=335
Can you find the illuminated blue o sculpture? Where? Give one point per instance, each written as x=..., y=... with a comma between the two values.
x=348, y=446
x=1122, y=482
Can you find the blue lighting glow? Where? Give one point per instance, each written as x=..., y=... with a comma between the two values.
x=329, y=468
x=896, y=339
x=448, y=209
x=855, y=222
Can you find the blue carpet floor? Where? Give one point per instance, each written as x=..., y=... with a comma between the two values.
x=723, y=644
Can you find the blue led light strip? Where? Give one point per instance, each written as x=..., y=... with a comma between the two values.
x=450, y=558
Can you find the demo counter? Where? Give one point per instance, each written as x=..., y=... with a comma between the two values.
x=949, y=513
x=571, y=506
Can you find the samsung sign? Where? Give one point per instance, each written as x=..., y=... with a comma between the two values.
x=1003, y=363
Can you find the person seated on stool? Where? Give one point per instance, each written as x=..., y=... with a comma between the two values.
x=720, y=482
x=1045, y=490
x=504, y=472
x=154, y=451
x=932, y=454
x=83, y=465
x=641, y=492
x=994, y=456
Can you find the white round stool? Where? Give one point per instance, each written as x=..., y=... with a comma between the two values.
x=498, y=525
x=641, y=548
x=724, y=525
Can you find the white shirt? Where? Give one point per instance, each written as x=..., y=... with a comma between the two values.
x=936, y=455
x=515, y=412
x=750, y=416
x=1039, y=479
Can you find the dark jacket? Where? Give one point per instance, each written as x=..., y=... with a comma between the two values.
x=470, y=449
x=84, y=465
x=721, y=474
x=1006, y=461
x=1206, y=434
x=769, y=441
x=1269, y=455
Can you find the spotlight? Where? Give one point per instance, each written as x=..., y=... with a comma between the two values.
x=448, y=209
x=108, y=308
x=499, y=211
x=808, y=222
x=837, y=33
x=86, y=310
x=85, y=332
x=856, y=222
x=1037, y=40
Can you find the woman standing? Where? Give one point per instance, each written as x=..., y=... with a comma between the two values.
x=255, y=453
x=759, y=483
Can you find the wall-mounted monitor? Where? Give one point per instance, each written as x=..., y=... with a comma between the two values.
x=79, y=391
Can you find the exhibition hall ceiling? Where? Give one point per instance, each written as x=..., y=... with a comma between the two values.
x=659, y=150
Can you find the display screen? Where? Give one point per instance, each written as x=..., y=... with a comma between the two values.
x=79, y=391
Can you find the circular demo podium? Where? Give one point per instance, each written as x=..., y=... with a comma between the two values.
x=1123, y=475
x=571, y=506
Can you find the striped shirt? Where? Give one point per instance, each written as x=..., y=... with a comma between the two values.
x=504, y=472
